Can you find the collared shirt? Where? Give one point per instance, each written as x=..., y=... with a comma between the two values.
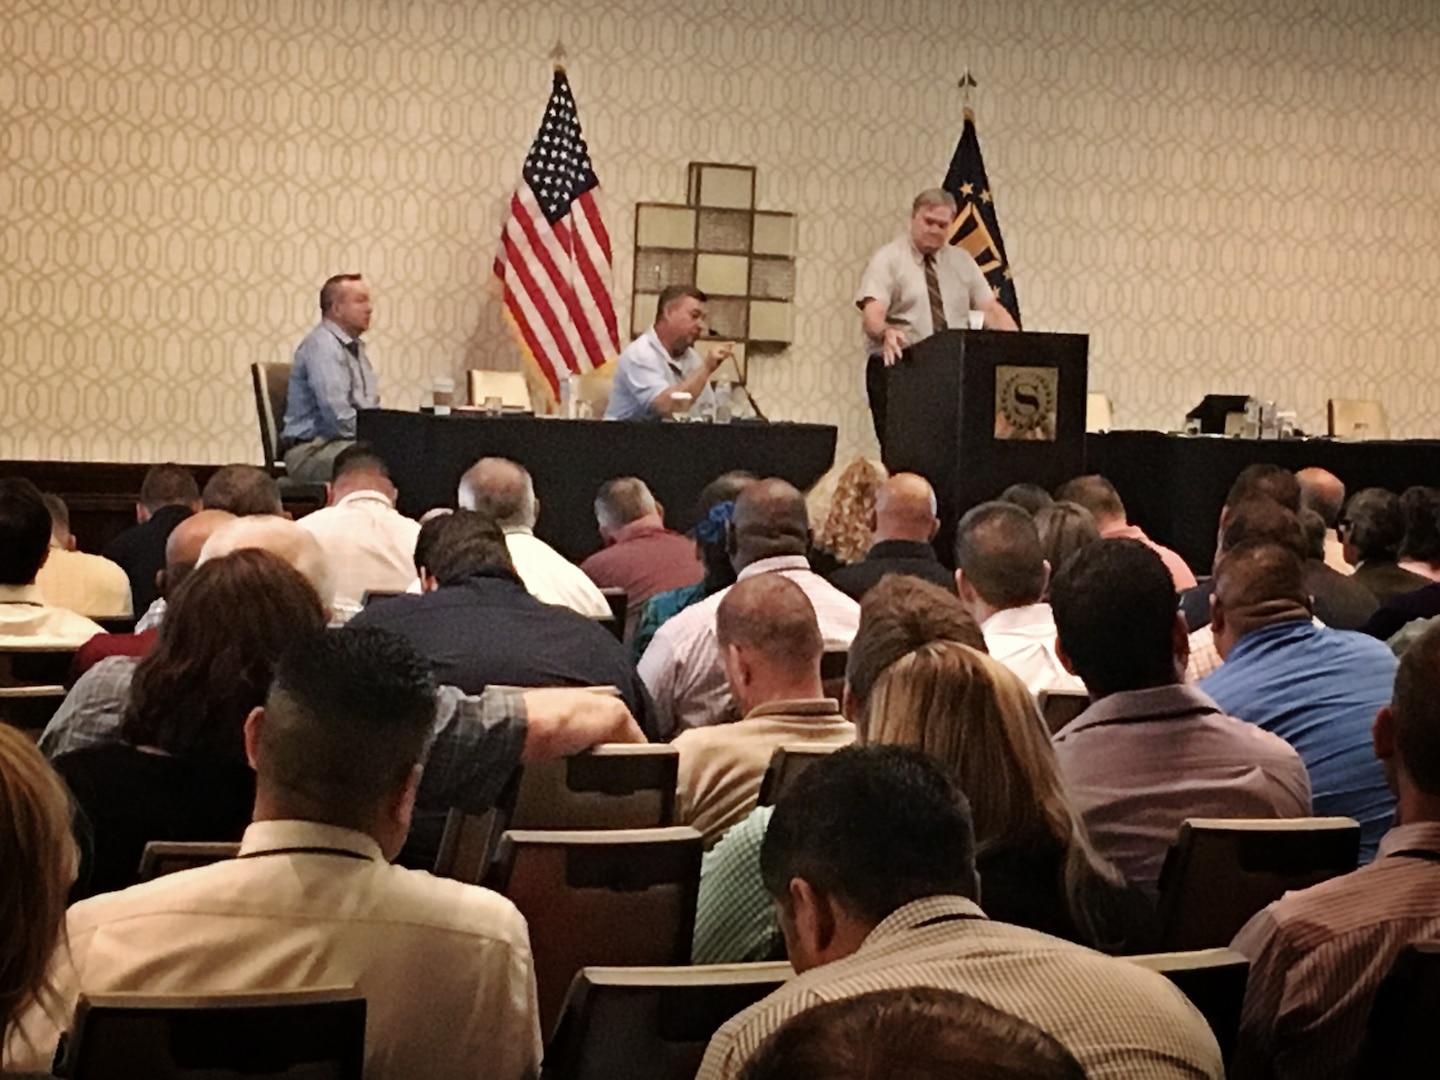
x=646, y=559
x=1180, y=571
x=1118, y=1019
x=721, y=766
x=644, y=369
x=369, y=546
x=913, y=557
x=550, y=577
x=26, y=619
x=89, y=585
x=153, y=617
x=328, y=384
x=445, y=968
x=682, y=666
x=895, y=275
x=1318, y=955
x=1023, y=639
x=1139, y=762
x=1319, y=690
x=734, y=916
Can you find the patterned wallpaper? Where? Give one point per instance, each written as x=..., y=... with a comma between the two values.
x=1236, y=196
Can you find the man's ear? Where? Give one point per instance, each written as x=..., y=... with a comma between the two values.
x=730, y=538
x=1064, y=657
x=1180, y=641
x=254, y=729
x=142, y=513
x=1217, y=614
x=1382, y=734
x=329, y=493
x=1044, y=576
x=812, y=920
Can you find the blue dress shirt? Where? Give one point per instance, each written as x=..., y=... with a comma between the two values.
x=328, y=383
x=644, y=369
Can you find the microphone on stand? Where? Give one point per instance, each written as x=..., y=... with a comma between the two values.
x=742, y=383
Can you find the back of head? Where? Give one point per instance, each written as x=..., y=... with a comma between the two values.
x=1374, y=524
x=1095, y=494
x=1065, y=528
x=1267, y=482
x=361, y=466
x=1314, y=527
x=1421, y=509
x=916, y=1033
x=1259, y=519
x=465, y=543
x=905, y=509
x=223, y=631
x=425, y=539
x=38, y=854
x=279, y=536
x=876, y=828
x=770, y=519
x=714, y=510
x=621, y=501
x=1032, y=498
x=59, y=518
x=1115, y=608
x=1416, y=708
x=1321, y=491
x=998, y=549
x=897, y=616
x=1257, y=580
x=348, y=717
x=187, y=540
x=771, y=615
x=24, y=531
x=502, y=490
x=168, y=485
x=846, y=528
x=242, y=490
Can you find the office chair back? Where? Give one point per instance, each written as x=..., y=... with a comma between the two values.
x=786, y=763
x=1213, y=980
x=162, y=857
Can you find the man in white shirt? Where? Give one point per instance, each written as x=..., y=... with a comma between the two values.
x=770, y=533
x=312, y=900
x=89, y=585
x=1001, y=574
x=663, y=362
x=505, y=492
x=369, y=545
x=25, y=617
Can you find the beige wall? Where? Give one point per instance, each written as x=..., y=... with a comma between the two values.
x=1238, y=196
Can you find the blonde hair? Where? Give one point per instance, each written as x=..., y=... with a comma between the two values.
x=39, y=857
x=846, y=532
x=977, y=718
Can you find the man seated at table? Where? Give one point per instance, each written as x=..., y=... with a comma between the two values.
x=663, y=363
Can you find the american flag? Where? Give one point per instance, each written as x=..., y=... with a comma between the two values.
x=554, y=258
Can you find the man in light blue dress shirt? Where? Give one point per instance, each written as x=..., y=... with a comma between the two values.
x=662, y=363
x=330, y=379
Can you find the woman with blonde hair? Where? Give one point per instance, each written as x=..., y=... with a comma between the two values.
x=846, y=534
x=37, y=865
x=1037, y=867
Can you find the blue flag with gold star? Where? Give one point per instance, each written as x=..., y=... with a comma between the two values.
x=976, y=227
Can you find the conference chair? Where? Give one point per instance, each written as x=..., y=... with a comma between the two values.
x=1213, y=980
x=32, y=684
x=786, y=763
x=1059, y=707
x=612, y=786
x=650, y=1021
x=1356, y=419
x=1221, y=871
x=162, y=857
x=314, y=1033
x=1400, y=1041
x=615, y=898
x=271, y=383
x=509, y=386
x=619, y=601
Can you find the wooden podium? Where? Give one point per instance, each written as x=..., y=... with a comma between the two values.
x=974, y=411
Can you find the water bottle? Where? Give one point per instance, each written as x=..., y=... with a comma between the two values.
x=1251, y=428
x=723, y=408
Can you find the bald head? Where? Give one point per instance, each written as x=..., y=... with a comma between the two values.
x=770, y=519
x=279, y=536
x=770, y=640
x=501, y=490
x=905, y=509
x=1321, y=491
x=186, y=539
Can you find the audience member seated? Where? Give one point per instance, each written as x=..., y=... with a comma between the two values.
x=919, y=1033
x=1317, y=688
x=1099, y=496
x=682, y=667
x=476, y=625
x=1420, y=549
x=89, y=585
x=1064, y=528
x=1318, y=955
x=905, y=523
x=1001, y=576
x=168, y=495
x=369, y=545
x=713, y=511
x=180, y=772
x=504, y=492
x=1399, y=612
x=25, y=617
x=242, y=490
x=1151, y=751
x=1339, y=602
x=870, y=857
x=38, y=854
x=770, y=646
x=1032, y=498
x=279, y=536
x=445, y=968
x=640, y=555
x=1372, y=529
x=1324, y=493
x=844, y=535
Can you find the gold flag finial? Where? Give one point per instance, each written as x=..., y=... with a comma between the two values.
x=557, y=54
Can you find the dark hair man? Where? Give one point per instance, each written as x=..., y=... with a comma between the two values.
x=1372, y=529
x=25, y=617
x=1099, y=496
x=905, y=523
x=168, y=495
x=870, y=858
x=660, y=373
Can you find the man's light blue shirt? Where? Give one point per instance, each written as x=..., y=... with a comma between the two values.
x=644, y=369
x=1318, y=689
x=327, y=384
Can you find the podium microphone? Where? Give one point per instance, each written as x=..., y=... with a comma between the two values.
x=742, y=383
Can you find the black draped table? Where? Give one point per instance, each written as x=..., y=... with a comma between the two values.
x=1174, y=485
x=570, y=459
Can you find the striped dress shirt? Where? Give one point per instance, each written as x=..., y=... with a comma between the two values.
x=1118, y=1019
x=1318, y=955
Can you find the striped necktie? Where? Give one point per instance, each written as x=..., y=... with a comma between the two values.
x=937, y=303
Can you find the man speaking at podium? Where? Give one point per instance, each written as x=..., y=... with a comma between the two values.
x=915, y=286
